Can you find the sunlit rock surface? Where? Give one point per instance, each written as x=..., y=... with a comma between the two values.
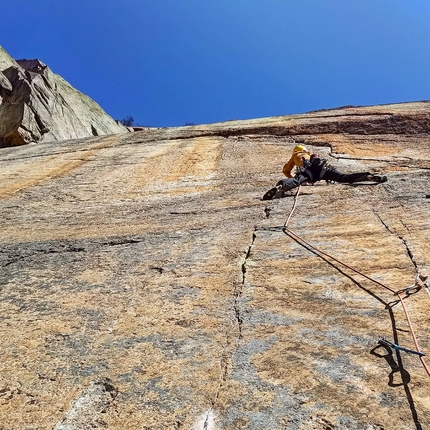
x=145, y=285
x=37, y=105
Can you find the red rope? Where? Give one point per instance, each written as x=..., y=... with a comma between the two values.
x=413, y=334
x=397, y=293
x=338, y=261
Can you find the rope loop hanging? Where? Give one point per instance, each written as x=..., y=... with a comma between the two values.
x=397, y=293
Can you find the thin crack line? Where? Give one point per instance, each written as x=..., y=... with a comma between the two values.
x=224, y=360
x=402, y=239
x=37, y=252
x=238, y=288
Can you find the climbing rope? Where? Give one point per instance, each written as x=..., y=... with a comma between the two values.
x=398, y=293
x=293, y=208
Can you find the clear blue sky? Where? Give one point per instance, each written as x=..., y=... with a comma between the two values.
x=168, y=62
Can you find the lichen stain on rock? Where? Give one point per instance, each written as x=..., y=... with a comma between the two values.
x=150, y=259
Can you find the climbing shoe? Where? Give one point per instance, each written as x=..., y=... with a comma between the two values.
x=270, y=194
x=379, y=179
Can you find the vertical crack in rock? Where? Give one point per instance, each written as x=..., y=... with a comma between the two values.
x=223, y=377
x=87, y=408
x=402, y=239
x=406, y=227
x=247, y=255
x=206, y=422
x=208, y=419
x=238, y=289
x=236, y=307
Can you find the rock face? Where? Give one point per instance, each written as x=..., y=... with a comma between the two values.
x=145, y=285
x=36, y=105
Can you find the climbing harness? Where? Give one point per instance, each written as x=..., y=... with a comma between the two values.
x=314, y=168
x=420, y=281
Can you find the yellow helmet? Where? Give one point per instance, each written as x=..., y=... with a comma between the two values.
x=300, y=148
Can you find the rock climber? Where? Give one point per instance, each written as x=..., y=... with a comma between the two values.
x=312, y=169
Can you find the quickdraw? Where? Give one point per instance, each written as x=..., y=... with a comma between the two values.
x=420, y=281
x=393, y=345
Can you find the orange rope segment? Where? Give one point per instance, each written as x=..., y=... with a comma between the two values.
x=397, y=293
